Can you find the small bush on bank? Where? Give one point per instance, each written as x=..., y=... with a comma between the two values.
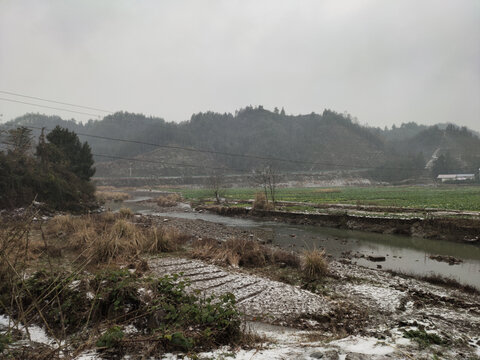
x=261, y=202
x=314, y=265
x=286, y=258
x=168, y=200
x=125, y=213
x=164, y=240
x=111, y=196
x=108, y=216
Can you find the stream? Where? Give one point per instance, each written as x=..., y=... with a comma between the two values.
x=402, y=253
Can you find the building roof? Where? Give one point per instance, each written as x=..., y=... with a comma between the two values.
x=454, y=176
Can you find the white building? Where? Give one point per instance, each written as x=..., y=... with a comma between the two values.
x=456, y=177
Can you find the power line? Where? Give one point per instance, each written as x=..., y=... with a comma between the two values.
x=56, y=102
x=49, y=107
x=258, y=157
x=157, y=162
x=175, y=147
x=171, y=164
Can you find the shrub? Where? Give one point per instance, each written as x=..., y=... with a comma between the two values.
x=248, y=252
x=423, y=338
x=164, y=240
x=314, y=265
x=123, y=238
x=108, y=216
x=261, y=202
x=172, y=318
x=168, y=200
x=61, y=223
x=111, y=196
x=5, y=339
x=125, y=213
x=110, y=338
x=286, y=257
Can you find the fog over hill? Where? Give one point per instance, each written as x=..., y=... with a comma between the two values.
x=311, y=142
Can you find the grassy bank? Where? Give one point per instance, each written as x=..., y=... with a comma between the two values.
x=441, y=197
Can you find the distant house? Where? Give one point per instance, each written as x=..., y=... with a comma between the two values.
x=456, y=177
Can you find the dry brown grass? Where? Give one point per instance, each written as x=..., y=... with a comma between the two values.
x=164, y=240
x=78, y=230
x=242, y=252
x=107, y=237
x=108, y=216
x=261, y=202
x=122, y=239
x=111, y=195
x=84, y=234
x=125, y=213
x=287, y=258
x=61, y=223
x=314, y=264
x=247, y=252
x=12, y=246
x=168, y=200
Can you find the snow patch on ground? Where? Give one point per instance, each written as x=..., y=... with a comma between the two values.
x=37, y=334
x=367, y=346
x=385, y=298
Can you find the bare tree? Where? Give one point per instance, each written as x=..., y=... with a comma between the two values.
x=259, y=178
x=267, y=178
x=272, y=180
x=19, y=140
x=216, y=182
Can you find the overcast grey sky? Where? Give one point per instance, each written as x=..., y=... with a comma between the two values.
x=383, y=61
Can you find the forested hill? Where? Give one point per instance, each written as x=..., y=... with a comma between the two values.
x=313, y=142
x=329, y=139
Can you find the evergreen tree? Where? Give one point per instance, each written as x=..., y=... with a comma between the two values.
x=76, y=156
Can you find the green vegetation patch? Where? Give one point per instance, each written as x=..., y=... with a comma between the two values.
x=423, y=338
x=110, y=338
x=5, y=339
x=441, y=197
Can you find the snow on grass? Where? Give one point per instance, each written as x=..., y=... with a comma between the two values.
x=383, y=298
x=367, y=346
x=88, y=355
